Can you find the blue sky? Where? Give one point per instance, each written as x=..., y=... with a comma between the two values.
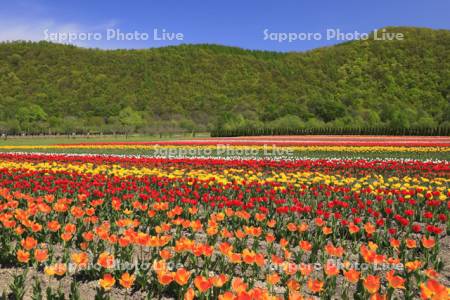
x=229, y=22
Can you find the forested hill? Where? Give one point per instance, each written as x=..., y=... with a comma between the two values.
x=65, y=88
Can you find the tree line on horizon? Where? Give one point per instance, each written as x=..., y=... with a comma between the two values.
x=53, y=88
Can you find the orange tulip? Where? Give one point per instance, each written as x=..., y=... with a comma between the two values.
x=219, y=280
x=303, y=227
x=293, y=285
x=123, y=241
x=315, y=285
x=59, y=269
x=80, y=259
x=248, y=256
x=395, y=281
x=353, y=228
x=36, y=227
x=77, y=212
x=283, y=242
x=23, y=256
x=306, y=269
x=277, y=260
x=49, y=198
x=66, y=236
x=352, y=276
x=212, y=230
x=70, y=228
x=244, y=295
x=227, y=296
x=202, y=284
x=432, y=289
x=240, y=234
x=105, y=260
x=189, y=295
x=84, y=245
x=19, y=230
x=273, y=278
x=235, y=258
x=207, y=250
x=238, y=285
x=327, y=230
x=196, y=225
x=228, y=211
x=250, y=230
x=193, y=210
x=290, y=268
x=259, y=259
x=88, y=236
x=331, y=270
x=430, y=273
x=393, y=261
x=40, y=255
x=127, y=280
x=411, y=244
x=165, y=254
x=334, y=251
x=270, y=238
x=368, y=255
x=165, y=278
x=378, y=296
x=182, y=276
x=319, y=222
x=225, y=248
x=257, y=293
x=295, y=296
x=369, y=228
x=260, y=217
x=372, y=284
x=413, y=265
x=29, y=243
x=394, y=243
x=107, y=282
x=60, y=206
x=292, y=227
x=428, y=242
x=287, y=254
x=271, y=223
x=305, y=245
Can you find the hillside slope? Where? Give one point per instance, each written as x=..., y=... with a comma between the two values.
x=65, y=88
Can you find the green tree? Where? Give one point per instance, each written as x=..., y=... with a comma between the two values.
x=327, y=109
x=288, y=121
x=400, y=120
x=130, y=119
x=31, y=116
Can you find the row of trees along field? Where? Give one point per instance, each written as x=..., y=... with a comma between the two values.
x=53, y=88
x=410, y=131
x=34, y=120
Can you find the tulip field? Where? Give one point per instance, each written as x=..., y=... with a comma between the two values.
x=274, y=147
x=260, y=218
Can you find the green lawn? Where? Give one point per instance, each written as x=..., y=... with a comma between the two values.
x=63, y=139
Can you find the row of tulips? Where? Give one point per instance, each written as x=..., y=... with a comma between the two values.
x=224, y=148
x=417, y=141
x=225, y=229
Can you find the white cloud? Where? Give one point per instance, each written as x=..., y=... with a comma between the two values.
x=12, y=29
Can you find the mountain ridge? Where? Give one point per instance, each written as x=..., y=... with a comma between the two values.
x=60, y=88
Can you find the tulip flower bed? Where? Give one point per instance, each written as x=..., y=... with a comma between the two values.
x=273, y=147
x=114, y=227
